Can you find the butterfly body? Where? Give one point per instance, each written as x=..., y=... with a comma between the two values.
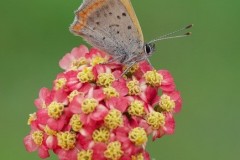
x=112, y=26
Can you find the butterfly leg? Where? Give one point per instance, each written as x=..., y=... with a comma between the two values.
x=149, y=62
x=128, y=67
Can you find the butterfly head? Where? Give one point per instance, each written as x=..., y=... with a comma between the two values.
x=149, y=48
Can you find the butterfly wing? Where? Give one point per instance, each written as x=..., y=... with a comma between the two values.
x=110, y=25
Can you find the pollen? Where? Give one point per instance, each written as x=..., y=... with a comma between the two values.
x=137, y=157
x=98, y=60
x=85, y=154
x=136, y=108
x=49, y=131
x=131, y=70
x=77, y=63
x=153, y=78
x=32, y=117
x=166, y=103
x=55, y=109
x=89, y=105
x=73, y=94
x=113, y=151
x=101, y=135
x=76, y=123
x=105, y=79
x=86, y=75
x=138, y=136
x=113, y=119
x=133, y=87
x=60, y=83
x=66, y=140
x=155, y=120
x=110, y=92
x=37, y=137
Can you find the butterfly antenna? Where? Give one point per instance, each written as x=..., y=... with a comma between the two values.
x=168, y=36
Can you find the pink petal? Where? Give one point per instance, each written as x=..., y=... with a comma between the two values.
x=97, y=69
x=67, y=155
x=127, y=146
x=155, y=101
x=151, y=94
x=145, y=125
x=178, y=105
x=120, y=104
x=175, y=95
x=114, y=66
x=117, y=74
x=42, y=116
x=168, y=88
x=169, y=124
x=44, y=93
x=90, y=93
x=146, y=155
x=43, y=152
x=29, y=144
x=100, y=112
x=154, y=135
x=60, y=96
x=121, y=87
x=57, y=124
x=94, y=51
x=51, y=142
x=79, y=52
x=85, y=139
x=122, y=134
x=98, y=151
x=167, y=78
x=39, y=103
x=66, y=61
x=75, y=105
x=144, y=66
x=85, y=88
x=84, y=118
x=98, y=94
x=44, y=98
x=72, y=81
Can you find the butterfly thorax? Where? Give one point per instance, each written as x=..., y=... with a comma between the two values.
x=139, y=55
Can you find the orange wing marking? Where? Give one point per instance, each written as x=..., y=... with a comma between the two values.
x=84, y=14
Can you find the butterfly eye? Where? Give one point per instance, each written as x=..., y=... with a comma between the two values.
x=149, y=48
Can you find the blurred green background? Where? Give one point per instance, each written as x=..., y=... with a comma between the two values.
x=34, y=36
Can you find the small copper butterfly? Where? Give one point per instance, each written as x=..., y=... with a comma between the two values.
x=112, y=26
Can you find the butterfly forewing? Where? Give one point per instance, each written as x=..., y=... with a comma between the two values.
x=110, y=25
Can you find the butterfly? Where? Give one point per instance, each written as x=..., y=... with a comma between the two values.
x=112, y=26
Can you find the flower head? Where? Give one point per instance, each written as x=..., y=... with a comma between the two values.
x=92, y=112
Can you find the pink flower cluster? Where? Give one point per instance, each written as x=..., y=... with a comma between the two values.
x=94, y=113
